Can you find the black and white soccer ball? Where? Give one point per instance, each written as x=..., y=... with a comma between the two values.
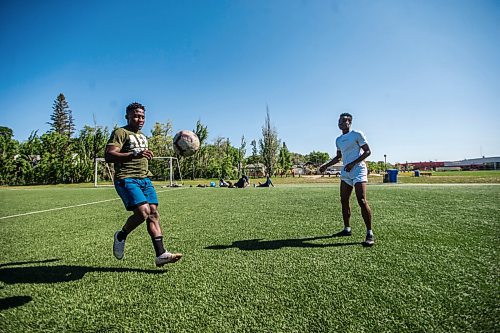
x=186, y=143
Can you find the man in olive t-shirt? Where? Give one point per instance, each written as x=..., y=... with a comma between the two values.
x=134, y=143
x=128, y=149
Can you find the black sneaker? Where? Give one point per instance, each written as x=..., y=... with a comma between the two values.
x=369, y=241
x=342, y=233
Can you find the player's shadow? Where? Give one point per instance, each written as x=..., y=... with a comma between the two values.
x=55, y=274
x=14, y=302
x=260, y=244
x=14, y=272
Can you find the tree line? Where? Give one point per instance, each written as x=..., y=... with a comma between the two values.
x=59, y=156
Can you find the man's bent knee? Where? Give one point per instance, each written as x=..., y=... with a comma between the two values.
x=144, y=211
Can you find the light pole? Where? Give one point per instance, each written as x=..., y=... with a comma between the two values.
x=386, y=176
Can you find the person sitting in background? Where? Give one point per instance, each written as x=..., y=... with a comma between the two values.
x=241, y=183
x=267, y=183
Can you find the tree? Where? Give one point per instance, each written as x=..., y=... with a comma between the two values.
x=378, y=167
x=255, y=157
x=202, y=132
x=284, y=160
x=71, y=123
x=6, y=132
x=269, y=145
x=254, y=148
x=87, y=148
x=297, y=158
x=8, y=150
x=62, y=117
x=160, y=143
x=317, y=158
x=30, y=152
x=57, y=158
x=241, y=154
x=229, y=155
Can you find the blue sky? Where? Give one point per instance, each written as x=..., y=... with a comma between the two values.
x=421, y=78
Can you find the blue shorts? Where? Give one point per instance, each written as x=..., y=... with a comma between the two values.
x=135, y=192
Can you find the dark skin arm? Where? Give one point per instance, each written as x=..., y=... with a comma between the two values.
x=113, y=155
x=349, y=166
x=333, y=161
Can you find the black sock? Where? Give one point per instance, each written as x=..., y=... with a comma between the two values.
x=158, y=245
x=122, y=235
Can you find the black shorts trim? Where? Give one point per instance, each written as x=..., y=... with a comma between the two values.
x=135, y=206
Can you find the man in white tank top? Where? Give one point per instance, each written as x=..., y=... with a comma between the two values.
x=352, y=149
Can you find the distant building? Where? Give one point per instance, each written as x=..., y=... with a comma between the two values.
x=303, y=169
x=430, y=165
x=256, y=170
x=483, y=163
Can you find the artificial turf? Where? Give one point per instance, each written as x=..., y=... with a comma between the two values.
x=255, y=260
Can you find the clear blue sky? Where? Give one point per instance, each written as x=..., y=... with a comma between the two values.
x=421, y=78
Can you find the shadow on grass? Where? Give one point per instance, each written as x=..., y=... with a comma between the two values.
x=14, y=302
x=49, y=274
x=55, y=274
x=259, y=244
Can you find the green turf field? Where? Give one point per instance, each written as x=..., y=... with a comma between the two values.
x=256, y=260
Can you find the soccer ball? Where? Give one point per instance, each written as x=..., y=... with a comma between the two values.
x=186, y=143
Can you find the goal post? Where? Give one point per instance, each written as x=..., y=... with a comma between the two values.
x=160, y=167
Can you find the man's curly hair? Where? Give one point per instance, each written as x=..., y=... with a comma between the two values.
x=132, y=106
x=345, y=114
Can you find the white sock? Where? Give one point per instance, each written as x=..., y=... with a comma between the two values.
x=347, y=228
x=369, y=232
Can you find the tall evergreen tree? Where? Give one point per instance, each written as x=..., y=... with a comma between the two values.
x=269, y=145
x=62, y=117
x=254, y=147
x=241, y=154
x=284, y=160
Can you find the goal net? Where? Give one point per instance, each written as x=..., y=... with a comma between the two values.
x=164, y=169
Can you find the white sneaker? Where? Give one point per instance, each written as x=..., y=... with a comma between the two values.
x=167, y=258
x=118, y=247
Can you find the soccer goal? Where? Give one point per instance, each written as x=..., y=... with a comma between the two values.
x=163, y=169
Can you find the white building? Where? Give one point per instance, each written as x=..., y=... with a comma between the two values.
x=483, y=163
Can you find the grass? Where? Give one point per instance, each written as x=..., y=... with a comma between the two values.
x=256, y=260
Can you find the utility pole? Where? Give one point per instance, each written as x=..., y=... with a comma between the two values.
x=386, y=176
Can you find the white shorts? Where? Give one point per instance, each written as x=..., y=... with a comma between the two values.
x=358, y=174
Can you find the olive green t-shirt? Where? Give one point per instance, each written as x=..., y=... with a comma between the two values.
x=129, y=141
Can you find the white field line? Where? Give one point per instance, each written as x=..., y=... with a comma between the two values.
x=58, y=208
x=66, y=207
